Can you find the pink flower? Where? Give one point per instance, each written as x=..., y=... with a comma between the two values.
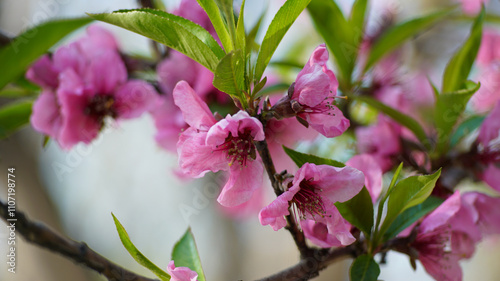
x=226, y=145
x=313, y=192
x=491, y=176
x=488, y=94
x=488, y=51
x=472, y=7
x=490, y=129
x=485, y=212
x=372, y=171
x=313, y=97
x=82, y=87
x=181, y=273
x=334, y=232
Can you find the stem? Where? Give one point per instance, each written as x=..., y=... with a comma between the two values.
x=39, y=234
x=4, y=40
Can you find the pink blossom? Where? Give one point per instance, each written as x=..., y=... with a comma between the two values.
x=312, y=194
x=181, y=273
x=492, y=176
x=372, y=171
x=488, y=51
x=490, y=129
x=485, y=211
x=488, y=94
x=335, y=231
x=472, y=7
x=313, y=97
x=226, y=145
x=83, y=87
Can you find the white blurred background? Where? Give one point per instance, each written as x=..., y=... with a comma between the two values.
x=126, y=173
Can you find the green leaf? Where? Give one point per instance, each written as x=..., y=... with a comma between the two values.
x=397, y=116
x=449, y=107
x=388, y=192
x=411, y=215
x=280, y=24
x=185, y=254
x=31, y=44
x=229, y=74
x=301, y=158
x=13, y=116
x=11, y=92
x=357, y=20
x=176, y=32
x=213, y=13
x=458, y=68
x=396, y=35
x=406, y=194
x=240, y=30
x=227, y=10
x=364, y=268
x=358, y=211
x=467, y=127
x=338, y=35
x=136, y=254
x=273, y=89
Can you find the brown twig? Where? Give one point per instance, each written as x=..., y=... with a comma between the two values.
x=4, y=40
x=39, y=234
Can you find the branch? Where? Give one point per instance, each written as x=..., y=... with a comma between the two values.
x=4, y=39
x=39, y=234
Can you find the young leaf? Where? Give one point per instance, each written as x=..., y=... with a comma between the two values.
x=31, y=44
x=227, y=10
x=301, y=158
x=467, y=127
x=229, y=74
x=357, y=20
x=240, y=30
x=411, y=215
x=406, y=194
x=185, y=254
x=213, y=13
x=397, y=34
x=358, y=211
x=364, y=268
x=338, y=35
x=13, y=116
x=176, y=32
x=384, y=198
x=449, y=107
x=397, y=116
x=459, y=66
x=280, y=24
x=136, y=254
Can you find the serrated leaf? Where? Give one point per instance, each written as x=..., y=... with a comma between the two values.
x=213, y=13
x=31, y=44
x=458, y=68
x=301, y=158
x=411, y=215
x=406, y=194
x=176, y=32
x=399, y=33
x=229, y=74
x=465, y=128
x=185, y=254
x=280, y=24
x=338, y=35
x=449, y=107
x=397, y=116
x=364, y=268
x=13, y=116
x=358, y=211
x=136, y=254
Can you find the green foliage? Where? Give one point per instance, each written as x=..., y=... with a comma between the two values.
x=185, y=254
x=230, y=74
x=136, y=254
x=384, y=198
x=176, y=32
x=301, y=158
x=411, y=215
x=13, y=116
x=31, y=44
x=407, y=193
x=364, y=268
x=358, y=211
x=213, y=13
x=459, y=66
x=280, y=24
x=449, y=107
x=465, y=128
x=396, y=35
x=397, y=116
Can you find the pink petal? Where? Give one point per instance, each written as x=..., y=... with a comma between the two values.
x=338, y=184
x=472, y=7
x=334, y=233
x=43, y=73
x=488, y=51
x=181, y=273
x=70, y=57
x=169, y=123
x=488, y=94
x=372, y=171
x=447, y=269
x=46, y=117
x=243, y=181
x=175, y=68
x=487, y=211
x=134, y=98
x=196, y=158
x=274, y=213
x=106, y=72
x=492, y=176
x=234, y=125
x=490, y=129
x=330, y=125
x=195, y=111
x=97, y=41
x=442, y=214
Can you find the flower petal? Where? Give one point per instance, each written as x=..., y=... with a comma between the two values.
x=134, y=98
x=106, y=72
x=339, y=184
x=195, y=111
x=46, y=117
x=274, y=213
x=44, y=73
x=331, y=124
x=242, y=183
x=181, y=273
x=372, y=171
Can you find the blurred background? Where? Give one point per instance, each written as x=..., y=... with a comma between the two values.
x=125, y=172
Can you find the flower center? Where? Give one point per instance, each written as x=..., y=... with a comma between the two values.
x=100, y=106
x=239, y=149
x=307, y=200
